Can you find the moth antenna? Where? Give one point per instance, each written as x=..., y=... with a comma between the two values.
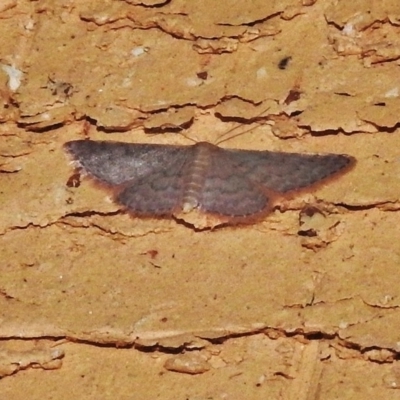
x=223, y=139
x=188, y=138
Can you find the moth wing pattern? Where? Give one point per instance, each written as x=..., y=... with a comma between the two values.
x=227, y=190
x=147, y=179
x=285, y=172
x=115, y=163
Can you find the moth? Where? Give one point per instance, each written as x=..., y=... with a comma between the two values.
x=202, y=184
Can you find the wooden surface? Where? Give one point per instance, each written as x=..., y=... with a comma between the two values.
x=97, y=304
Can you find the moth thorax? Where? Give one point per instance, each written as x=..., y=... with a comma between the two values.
x=196, y=177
